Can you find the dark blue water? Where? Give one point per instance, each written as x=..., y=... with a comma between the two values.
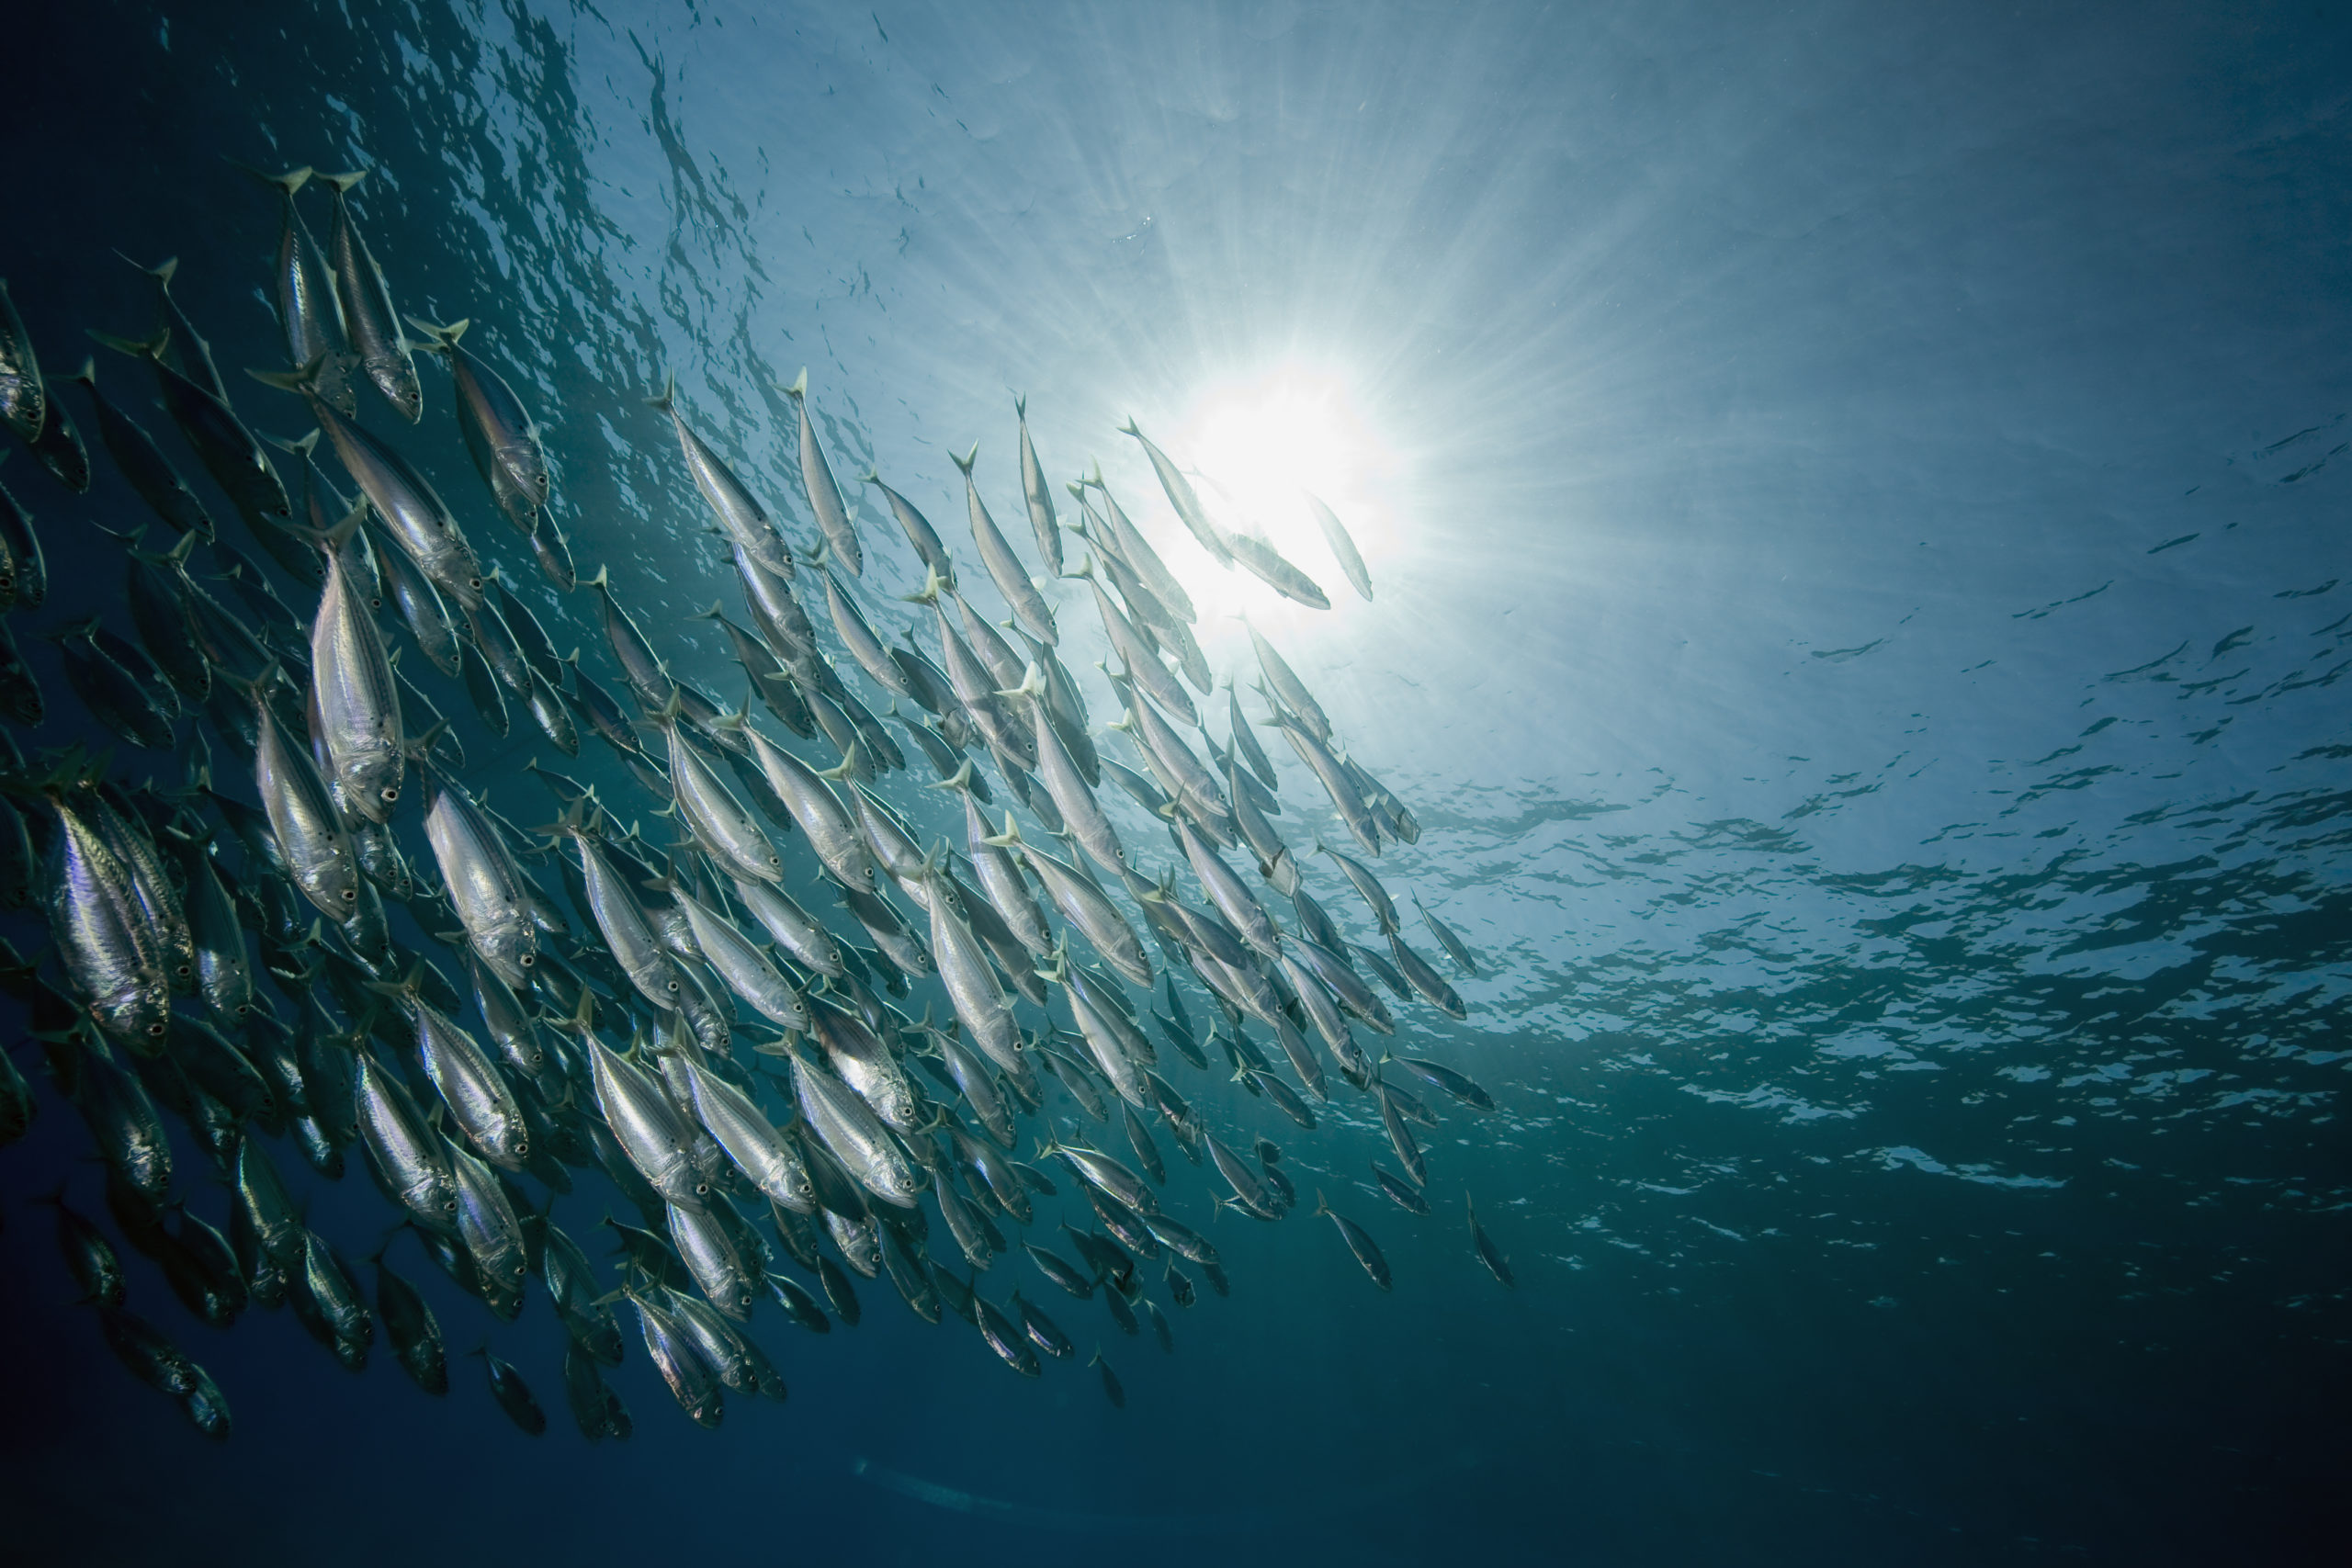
x=1855, y=498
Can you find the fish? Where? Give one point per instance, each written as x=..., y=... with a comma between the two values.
x=89, y=1257
x=1283, y=684
x=492, y=1234
x=422, y=610
x=26, y=571
x=369, y=315
x=1266, y=563
x=327, y=1302
x=1459, y=1085
x=113, y=956
x=1367, y=1251
x=1005, y=567
x=1426, y=980
x=1010, y=1344
x=718, y=1268
x=412, y=512
x=739, y=514
x=1488, y=1254
x=647, y=1127
x=24, y=396
x=1112, y=1390
x=142, y=463
x=1038, y=494
x=230, y=452
x=162, y=1366
x=1183, y=498
x=513, y=1394
x=851, y=1132
x=309, y=313
x=59, y=447
x=1401, y=1192
x=1083, y=905
x=919, y=531
x=500, y=433
x=799, y=1305
x=1342, y=548
x=412, y=1164
x=817, y=484
x=415, y=1332
x=1043, y=1332
x=1376, y=897
x=356, y=704
x=692, y=1381
x=484, y=886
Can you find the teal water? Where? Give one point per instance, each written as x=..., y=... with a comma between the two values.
x=1853, y=498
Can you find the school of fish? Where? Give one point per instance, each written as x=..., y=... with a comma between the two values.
x=781, y=1030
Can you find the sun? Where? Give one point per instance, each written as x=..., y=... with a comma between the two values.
x=1257, y=447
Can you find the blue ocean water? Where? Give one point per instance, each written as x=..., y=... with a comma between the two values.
x=1853, y=496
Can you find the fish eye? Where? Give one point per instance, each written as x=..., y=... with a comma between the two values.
x=450, y=1203
x=351, y=895
x=701, y=1188
x=392, y=792
x=527, y=960
x=154, y=1031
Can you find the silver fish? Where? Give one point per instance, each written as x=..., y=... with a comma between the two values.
x=710, y=1256
x=867, y=1065
x=1343, y=548
x=819, y=812
x=302, y=816
x=481, y=880
x=414, y=1164
x=647, y=1127
x=501, y=436
x=369, y=314
x=764, y=1154
x=1267, y=565
x=742, y=967
x=850, y=1131
x=817, y=482
x=919, y=530
x=739, y=514
x=1182, y=496
x=1083, y=905
x=352, y=692
x=1039, y=495
x=492, y=1234
x=308, y=311
x=24, y=399
x=1004, y=567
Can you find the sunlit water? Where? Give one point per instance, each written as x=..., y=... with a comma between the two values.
x=1854, y=505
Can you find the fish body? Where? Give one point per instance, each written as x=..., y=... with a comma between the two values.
x=850, y=1131
x=484, y=884
x=1038, y=494
x=356, y=703
x=1182, y=497
x=824, y=495
x=369, y=314
x=24, y=396
x=116, y=958
x=1367, y=1251
x=1266, y=564
x=142, y=463
x=501, y=436
x=1342, y=547
x=1011, y=579
x=1488, y=1253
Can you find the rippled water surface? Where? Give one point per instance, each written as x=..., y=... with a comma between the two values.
x=1855, y=500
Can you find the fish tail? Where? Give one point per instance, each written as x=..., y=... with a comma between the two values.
x=341, y=183
x=289, y=182
x=301, y=448
x=668, y=400
x=964, y=463
x=600, y=579
x=798, y=390
x=151, y=348
x=1021, y=405
x=440, y=337
x=1130, y=429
